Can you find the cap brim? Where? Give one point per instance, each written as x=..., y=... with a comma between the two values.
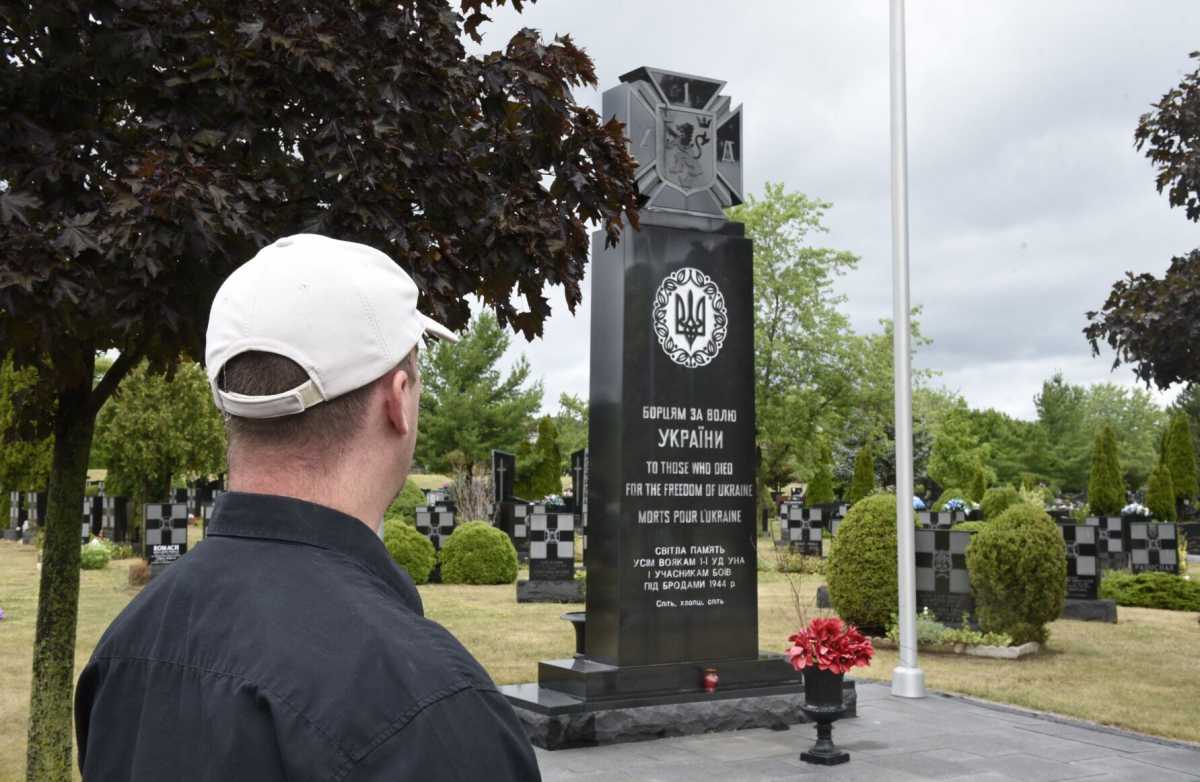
x=437, y=329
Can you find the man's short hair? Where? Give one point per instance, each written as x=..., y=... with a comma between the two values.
x=330, y=423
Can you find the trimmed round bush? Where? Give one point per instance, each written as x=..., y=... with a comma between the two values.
x=404, y=507
x=998, y=499
x=478, y=553
x=94, y=556
x=1018, y=568
x=968, y=526
x=946, y=496
x=861, y=571
x=409, y=549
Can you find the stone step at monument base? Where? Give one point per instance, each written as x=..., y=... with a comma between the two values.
x=540, y=591
x=557, y=720
x=1090, y=610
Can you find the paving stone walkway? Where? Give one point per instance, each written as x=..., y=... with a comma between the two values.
x=939, y=737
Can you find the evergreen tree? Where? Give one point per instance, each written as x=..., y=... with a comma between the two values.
x=1106, y=487
x=863, y=482
x=1180, y=457
x=978, y=483
x=820, y=487
x=1160, y=494
x=539, y=465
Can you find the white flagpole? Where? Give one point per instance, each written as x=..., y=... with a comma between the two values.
x=908, y=680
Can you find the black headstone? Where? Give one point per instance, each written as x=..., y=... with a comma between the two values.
x=944, y=519
x=93, y=516
x=504, y=474
x=943, y=584
x=436, y=522
x=114, y=521
x=552, y=539
x=1153, y=546
x=1083, y=564
x=801, y=527
x=17, y=515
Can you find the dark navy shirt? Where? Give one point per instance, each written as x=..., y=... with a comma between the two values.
x=288, y=645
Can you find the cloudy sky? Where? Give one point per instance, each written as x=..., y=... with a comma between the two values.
x=1027, y=198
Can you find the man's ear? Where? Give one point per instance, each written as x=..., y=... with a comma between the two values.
x=396, y=391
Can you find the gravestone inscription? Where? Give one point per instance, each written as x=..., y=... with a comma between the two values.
x=1153, y=547
x=1083, y=565
x=166, y=533
x=943, y=584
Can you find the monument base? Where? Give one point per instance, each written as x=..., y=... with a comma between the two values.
x=27, y=537
x=550, y=591
x=1090, y=610
x=582, y=702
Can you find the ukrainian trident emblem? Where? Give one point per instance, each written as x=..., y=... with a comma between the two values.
x=689, y=317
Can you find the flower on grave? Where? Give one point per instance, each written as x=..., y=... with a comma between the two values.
x=955, y=504
x=1135, y=509
x=1, y=614
x=918, y=503
x=831, y=645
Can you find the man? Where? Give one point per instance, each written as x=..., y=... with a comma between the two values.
x=289, y=645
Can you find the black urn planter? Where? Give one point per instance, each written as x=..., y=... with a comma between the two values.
x=823, y=705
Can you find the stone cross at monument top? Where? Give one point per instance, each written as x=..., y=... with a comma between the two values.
x=686, y=138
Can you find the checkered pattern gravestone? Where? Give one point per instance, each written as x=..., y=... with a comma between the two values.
x=1110, y=537
x=943, y=519
x=35, y=509
x=943, y=585
x=436, y=522
x=1153, y=546
x=206, y=509
x=802, y=527
x=1083, y=566
x=166, y=531
x=114, y=521
x=93, y=515
x=1191, y=532
x=552, y=545
x=16, y=515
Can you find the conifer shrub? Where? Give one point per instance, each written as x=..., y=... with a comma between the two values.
x=478, y=553
x=1106, y=486
x=409, y=549
x=861, y=569
x=1160, y=494
x=862, y=484
x=968, y=526
x=998, y=499
x=1181, y=457
x=1018, y=569
x=1151, y=590
x=946, y=496
x=404, y=507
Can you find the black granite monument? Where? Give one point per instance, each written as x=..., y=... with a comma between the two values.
x=1153, y=547
x=35, y=514
x=93, y=517
x=943, y=583
x=671, y=570
x=166, y=533
x=553, y=537
x=17, y=515
x=436, y=521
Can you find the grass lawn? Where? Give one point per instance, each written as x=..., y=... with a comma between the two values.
x=427, y=481
x=1139, y=674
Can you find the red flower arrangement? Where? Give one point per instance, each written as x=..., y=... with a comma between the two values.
x=831, y=646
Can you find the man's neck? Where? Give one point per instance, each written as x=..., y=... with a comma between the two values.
x=353, y=500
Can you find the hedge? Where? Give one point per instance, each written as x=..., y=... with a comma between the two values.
x=998, y=499
x=1151, y=590
x=861, y=570
x=409, y=549
x=478, y=553
x=1018, y=569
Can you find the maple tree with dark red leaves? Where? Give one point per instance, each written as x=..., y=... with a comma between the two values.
x=148, y=147
x=1151, y=322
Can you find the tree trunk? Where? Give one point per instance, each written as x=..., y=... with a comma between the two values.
x=49, y=755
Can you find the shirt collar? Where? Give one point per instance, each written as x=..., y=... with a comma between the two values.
x=271, y=517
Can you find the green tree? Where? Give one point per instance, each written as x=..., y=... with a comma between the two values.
x=1160, y=494
x=1006, y=439
x=820, y=485
x=467, y=404
x=978, y=483
x=1106, y=487
x=539, y=464
x=957, y=452
x=572, y=424
x=145, y=151
x=1063, y=446
x=863, y=482
x=156, y=428
x=802, y=342
x=24, y=456
x=1144, y=317
x=1180, y=458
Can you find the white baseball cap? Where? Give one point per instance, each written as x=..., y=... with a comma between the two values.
x=345, y=312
